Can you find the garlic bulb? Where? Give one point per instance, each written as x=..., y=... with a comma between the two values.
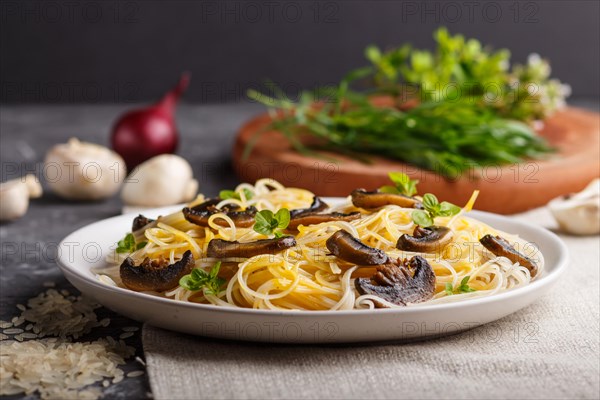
x=84, y=171
x=579, y=213
x=160, y=181
x=15, y=195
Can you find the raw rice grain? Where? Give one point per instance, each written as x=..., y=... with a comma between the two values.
x=131, y=329
x=13, y=331
x=55, y=367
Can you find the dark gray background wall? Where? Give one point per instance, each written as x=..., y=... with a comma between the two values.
x=125, y=51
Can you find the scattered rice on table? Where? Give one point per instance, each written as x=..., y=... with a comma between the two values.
x=59, y=370
x=55, y=314
x=5, y=324
x=54, y=366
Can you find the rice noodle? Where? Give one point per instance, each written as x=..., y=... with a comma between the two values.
x=307, y=277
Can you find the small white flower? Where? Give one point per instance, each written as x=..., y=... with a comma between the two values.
x=534, y=59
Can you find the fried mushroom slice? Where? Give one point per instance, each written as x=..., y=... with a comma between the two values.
x=399, y=282
x=241, y=219
x=348, y=248
x=501, y=248
x=220, y=248
x=212, y=204
x=312, y=215
x=375, y=199
x=140, y=222
x=316, y=206
x=315, y=218
x=200, y=214
x=425, y=240
x=155, y=275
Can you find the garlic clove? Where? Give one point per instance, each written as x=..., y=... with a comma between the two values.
x=579, y=213
x=160, y=181
x=84, y=171
x=15, y=195
x=33, y=186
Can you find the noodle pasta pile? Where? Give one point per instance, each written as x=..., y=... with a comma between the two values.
x=307, y=276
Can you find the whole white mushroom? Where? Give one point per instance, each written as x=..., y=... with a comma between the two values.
x=84, y=171
x=15, y=195
x=579, y=213
x=160, y=181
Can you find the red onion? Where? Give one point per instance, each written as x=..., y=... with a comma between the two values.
x=147, y=132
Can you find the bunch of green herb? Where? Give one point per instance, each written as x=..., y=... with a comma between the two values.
x=443, y=133
x=199, y=279
x=462, y=288
x=128, y=244
x=268, y=223
x=447, y=138
x=432, y=208
x=463, y=70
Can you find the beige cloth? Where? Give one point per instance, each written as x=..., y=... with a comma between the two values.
x=549, y=350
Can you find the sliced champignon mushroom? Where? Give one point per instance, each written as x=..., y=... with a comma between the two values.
x=348, y=248
x=155, y=275
x=425, y=240
x=316, y=206
x=501, y=248
x=220, y=248
x=241, y=219
x=200, y=214
x=368, y=200
x=312, y=216
x=315, y=218
x=400, y=283
x=140, y=222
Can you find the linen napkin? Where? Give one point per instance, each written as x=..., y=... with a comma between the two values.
x=549, y=350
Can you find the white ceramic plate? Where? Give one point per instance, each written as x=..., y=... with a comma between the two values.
x=86, y=248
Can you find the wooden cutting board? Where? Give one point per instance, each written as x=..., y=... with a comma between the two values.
x=506, y=190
